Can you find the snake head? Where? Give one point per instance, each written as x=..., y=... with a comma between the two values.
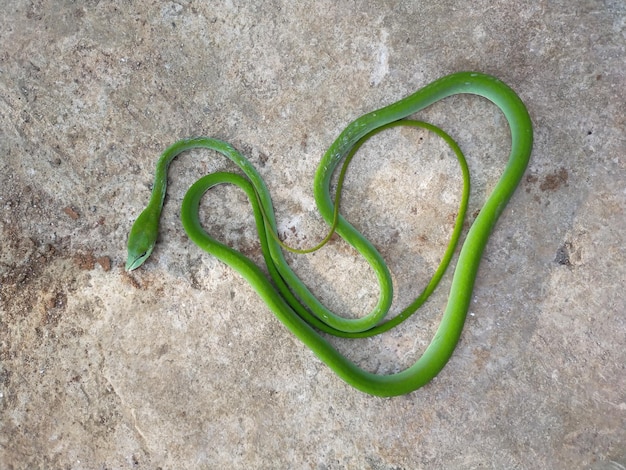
x=141, y=239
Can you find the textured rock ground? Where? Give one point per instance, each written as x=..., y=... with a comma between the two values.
x=180, y=365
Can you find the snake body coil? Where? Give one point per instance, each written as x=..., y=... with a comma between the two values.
x=288, y=297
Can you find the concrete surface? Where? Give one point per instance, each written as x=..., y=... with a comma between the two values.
x=180, y=365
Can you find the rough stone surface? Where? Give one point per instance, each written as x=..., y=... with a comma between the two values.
x=179, y=364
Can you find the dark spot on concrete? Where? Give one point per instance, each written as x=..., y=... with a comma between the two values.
x=85, y=261
x=60, y=300
x=162, y=350
x=104, y=262
x=133, y=282
x=5, y=377
x=263, y=158
x=71, y=213
x=530, y=178
x=394, y=236
x=554, y=180
x=563, y=254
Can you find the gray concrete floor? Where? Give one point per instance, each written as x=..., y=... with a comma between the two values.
x=180, y=365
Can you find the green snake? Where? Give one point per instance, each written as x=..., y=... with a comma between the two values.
x=288, y=298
